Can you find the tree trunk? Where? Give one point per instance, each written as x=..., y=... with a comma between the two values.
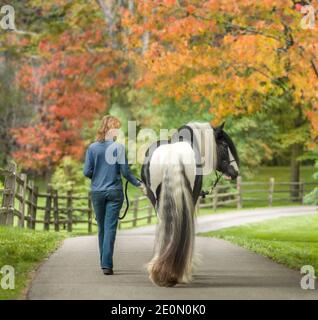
x=296, y=150
x=47, y=176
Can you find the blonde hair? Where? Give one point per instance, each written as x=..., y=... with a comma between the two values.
x=108, y=123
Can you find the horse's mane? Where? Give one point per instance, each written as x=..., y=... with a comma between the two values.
x=200, y=132
x=230, y=143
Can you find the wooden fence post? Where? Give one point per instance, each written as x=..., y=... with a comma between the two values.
x=6, y=217
x=34, y=205
x=271, y=191
x=56, y=210
x=301, y=191
x=22, y=192
x=90, y=213
x=30, y=199
x=135, y=212
x=69, y=211
x=239, y=192
x=215, y=198
x=48, y=204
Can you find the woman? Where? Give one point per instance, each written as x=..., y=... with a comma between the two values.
x=105, y=162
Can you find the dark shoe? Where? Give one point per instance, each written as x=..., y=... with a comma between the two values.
x=108, y=271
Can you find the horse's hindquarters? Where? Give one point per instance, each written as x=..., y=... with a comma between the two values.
x=168, y=155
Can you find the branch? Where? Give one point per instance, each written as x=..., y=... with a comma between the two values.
x=254, y=69
x=289, y=40
x=243, y=28
x=253, y=30
x=22, y=32
x=314, y=67
x=107, y=11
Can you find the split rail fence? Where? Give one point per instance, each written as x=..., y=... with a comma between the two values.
x=24, y=205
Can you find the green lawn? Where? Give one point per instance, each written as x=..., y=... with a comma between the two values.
x=281, y=192
x=292, y=241
x=24, y=250
x=282, y=173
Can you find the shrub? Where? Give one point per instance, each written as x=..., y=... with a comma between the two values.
x=312, y=197
x=68, y=176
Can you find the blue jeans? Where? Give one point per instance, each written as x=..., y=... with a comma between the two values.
x=107, y=205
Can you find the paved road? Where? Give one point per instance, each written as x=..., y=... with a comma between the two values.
x=226, y=271
x=235, y=218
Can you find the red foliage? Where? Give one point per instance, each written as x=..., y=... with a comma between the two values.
x=70, y=85
x=298, y=7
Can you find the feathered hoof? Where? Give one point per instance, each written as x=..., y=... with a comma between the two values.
x=160, y=277
x=160, y=281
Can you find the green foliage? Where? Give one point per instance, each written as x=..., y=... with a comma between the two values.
x=292, y=127
x=255, y=137
x=164, y=113
x=312, y=197
x=68, y=176
x=23, y=250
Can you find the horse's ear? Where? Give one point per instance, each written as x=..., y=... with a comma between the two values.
x=218, y=131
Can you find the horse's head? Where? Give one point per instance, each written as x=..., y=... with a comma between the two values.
x=227, y=159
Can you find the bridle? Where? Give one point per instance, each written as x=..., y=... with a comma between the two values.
x=218, y=178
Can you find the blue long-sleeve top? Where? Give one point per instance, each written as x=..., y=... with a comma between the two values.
x=105, y=162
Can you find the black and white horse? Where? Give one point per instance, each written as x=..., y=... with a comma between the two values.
x=172, y=172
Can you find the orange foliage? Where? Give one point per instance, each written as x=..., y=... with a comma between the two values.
x=224, y=52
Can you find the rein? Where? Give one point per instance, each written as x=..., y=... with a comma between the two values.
x=218, y=177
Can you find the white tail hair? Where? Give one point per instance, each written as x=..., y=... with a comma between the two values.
x=174, y=243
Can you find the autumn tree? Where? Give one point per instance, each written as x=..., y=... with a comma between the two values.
x=230, y=55
x=70, y=73
x=201, y=59
x=13, y=110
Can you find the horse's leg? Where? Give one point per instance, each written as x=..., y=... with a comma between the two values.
x=197, y=188
x=196, y=259
x=145, y=177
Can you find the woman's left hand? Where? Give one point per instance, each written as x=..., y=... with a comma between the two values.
x=143, y=188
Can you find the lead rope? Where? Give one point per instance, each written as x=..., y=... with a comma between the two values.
x=127, y=202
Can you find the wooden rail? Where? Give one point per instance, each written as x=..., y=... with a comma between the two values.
x=23, y=205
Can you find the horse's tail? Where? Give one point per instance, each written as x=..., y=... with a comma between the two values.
x=174, y=241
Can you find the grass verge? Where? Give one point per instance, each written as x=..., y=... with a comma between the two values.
x=24, y=250
x=291, y=241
